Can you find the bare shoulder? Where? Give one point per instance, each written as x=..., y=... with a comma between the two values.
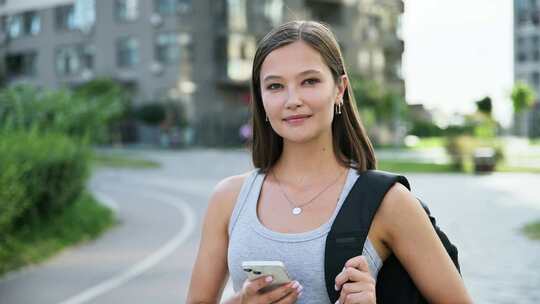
x=398, y=209
x=225, y=194
x=399, y=197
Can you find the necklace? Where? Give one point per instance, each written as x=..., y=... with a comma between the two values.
x=297, y=209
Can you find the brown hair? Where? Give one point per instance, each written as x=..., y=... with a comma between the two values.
x=351, y=144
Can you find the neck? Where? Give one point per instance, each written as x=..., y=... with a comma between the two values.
x=308, y=161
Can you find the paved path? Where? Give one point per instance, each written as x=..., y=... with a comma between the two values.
x=148, y=257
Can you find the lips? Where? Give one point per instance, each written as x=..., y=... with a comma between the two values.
x=295, y=120
x=296, y=117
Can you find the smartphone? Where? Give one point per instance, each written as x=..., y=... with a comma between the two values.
x=276, y=269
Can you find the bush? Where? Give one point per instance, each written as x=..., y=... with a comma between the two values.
x=83, y=220
x=83, y=114
x=166, y=114
x=41, y=174
x=423, y=128
x=461, y=150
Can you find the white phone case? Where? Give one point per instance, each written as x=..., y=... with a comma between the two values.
x=276, y=269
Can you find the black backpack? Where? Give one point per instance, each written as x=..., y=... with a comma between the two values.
x=349, y=232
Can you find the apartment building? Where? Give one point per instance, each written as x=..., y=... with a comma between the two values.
x=195, y=53
x=527, y=59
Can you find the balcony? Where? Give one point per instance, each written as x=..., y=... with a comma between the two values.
x=233, y=57
x=393, y=43
x=331, y=1
x=330, y=12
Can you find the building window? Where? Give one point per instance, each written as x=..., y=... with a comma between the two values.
x=65, y=17
x=27, y=23
x=270, y=10
x=72, y=60
x=21, y=64
x=127, y=52
x=535, y=17
x=67, y=61
x=85, y=14
x=535, y=79
x=14, y=26
x=330, y=12
x=237, y=15
x=31, y=23
x=521, y=56
x=167, y=48
x=535, y=48
x=87, y=54
x=240, y=51
x=171, y=7
x=126, y=10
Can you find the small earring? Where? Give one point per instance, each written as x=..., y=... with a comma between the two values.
x=266, y=117
x=338, y=108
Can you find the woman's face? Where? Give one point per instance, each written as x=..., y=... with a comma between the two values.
x=299, y=92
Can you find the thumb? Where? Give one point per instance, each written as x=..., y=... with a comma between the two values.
x=253, y=286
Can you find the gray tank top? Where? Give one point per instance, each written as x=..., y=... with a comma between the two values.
x=302, y=253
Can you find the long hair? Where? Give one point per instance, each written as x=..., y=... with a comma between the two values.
x=350, y=141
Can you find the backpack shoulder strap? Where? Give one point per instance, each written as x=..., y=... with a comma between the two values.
x=350, y=228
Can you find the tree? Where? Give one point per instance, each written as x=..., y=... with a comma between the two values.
x=485, y=106
x=522, y=99
x=380, y=108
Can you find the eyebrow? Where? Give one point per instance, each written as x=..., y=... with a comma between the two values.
x=270, y=77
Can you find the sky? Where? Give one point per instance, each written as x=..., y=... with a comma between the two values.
x=457, y=52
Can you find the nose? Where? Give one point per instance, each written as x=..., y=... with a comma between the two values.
x=293, y=100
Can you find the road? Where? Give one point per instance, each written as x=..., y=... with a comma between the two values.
x=148, y=256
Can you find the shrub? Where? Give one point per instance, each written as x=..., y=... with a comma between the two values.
x=41, y=174
x=83, y=114
x=461, y=149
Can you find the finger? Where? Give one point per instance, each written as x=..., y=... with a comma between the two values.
x=341, y=279
x=292, y=297
x=289, y=299
x=349, y=288
x=359, y=298
x=252, y=286
x=350, y=274
x=283, y=292
x=358, y=262
x=354, y=288
x=360, y=276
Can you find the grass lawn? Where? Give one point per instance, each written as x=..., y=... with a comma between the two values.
x=430, y=142
x=532, y=230
x=413, y=167
x=506, y=168
x=122, y=161
x=84, y=220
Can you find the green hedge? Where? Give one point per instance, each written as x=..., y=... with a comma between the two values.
x=461, y=150
x=85, y=219
x=40, y=174
x=84, y=113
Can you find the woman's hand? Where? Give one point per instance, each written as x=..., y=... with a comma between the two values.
x=356, y=283
x=285, y=294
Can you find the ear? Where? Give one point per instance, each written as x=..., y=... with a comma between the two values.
x=342, y=83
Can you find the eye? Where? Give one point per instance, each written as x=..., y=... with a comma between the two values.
x=311, y=81
x=273, y=86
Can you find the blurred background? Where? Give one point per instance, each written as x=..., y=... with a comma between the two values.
x=117, y=118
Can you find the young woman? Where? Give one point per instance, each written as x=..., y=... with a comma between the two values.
x=309, y=147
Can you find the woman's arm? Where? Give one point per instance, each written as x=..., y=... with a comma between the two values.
x=210, y=272
x=408, y=232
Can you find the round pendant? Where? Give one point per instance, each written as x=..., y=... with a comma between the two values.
x=297, y=211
